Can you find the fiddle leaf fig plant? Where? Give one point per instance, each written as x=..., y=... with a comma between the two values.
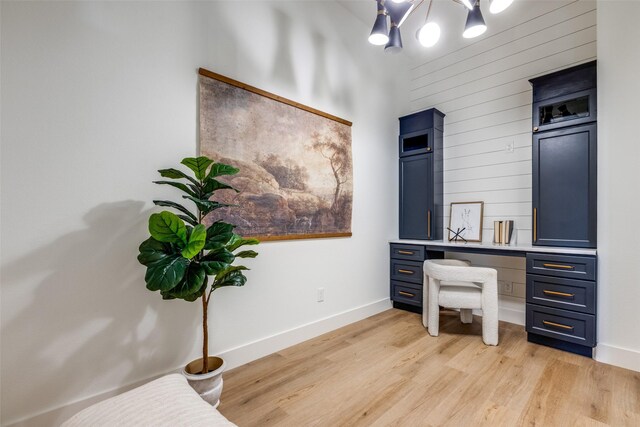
x=185, y=259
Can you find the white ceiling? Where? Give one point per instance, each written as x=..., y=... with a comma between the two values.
x=451, y=17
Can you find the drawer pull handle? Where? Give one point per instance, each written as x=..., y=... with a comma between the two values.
x=406, y=294
x=406, y=252
x=429, y=224
x=559, y=266
x=557, y=325
x=558, y=294
x=405, y=271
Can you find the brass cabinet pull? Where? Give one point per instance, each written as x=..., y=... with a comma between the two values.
x=405, y=271
x=535, y=129
x=405, y=252
x=406, y=294
x=428, y=148
x=429, y=224
x=558, y=294
x=559, y=266
x=535, y=224
x=557, y=325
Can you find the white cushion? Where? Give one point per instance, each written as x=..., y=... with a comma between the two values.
x=166, y=402
x=460, y=297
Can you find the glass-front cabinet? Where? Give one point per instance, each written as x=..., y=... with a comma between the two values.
x=568, y=110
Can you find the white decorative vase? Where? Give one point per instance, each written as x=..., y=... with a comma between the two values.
x=209, y=385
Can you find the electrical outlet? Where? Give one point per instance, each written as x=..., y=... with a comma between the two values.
x=509, y=147
x=505, y=288
x=320, y=294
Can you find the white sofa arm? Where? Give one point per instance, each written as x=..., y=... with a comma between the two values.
x=166, y=402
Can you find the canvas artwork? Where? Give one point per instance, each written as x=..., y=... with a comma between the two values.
x=295, y=176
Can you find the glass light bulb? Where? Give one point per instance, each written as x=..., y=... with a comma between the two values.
x=378, y=39
x=429, y=34
x=498, y=6
x=474, y=31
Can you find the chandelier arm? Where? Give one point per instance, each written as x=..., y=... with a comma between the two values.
x=426, y=18
x=417, y=3
x=460, y=3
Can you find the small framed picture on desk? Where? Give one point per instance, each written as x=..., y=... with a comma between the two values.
x=465, y=221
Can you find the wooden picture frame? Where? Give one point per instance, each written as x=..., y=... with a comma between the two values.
x=468, y=217
x=296, y=172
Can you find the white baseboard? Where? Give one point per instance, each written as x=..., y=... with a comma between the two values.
x=618, y=356
x=233, y=357
x=263, y=347
x=510, y=310
x=511, y=315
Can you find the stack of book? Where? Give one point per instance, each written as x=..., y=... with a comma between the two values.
x=502, y=232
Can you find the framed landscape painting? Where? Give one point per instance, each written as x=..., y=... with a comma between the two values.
x=295, y=163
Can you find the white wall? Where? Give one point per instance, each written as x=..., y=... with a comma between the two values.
x=483, y=89
x=96, y=96
x=618, y=183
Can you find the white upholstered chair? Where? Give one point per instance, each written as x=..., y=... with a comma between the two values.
x=455, y=284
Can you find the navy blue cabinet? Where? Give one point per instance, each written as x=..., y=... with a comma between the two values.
x=406, y=274
x=561, y=301
x=416, y=197
x=561, y=289
x=564, y=187
x=420, y=166
x=565, y=158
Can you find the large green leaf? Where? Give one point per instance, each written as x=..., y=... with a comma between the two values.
x=219, y=169
x=166, y=273
x=216, y=261
x=188, y=220
x=176, y=174
x=191, y=282
x=232, y=276
x=196, y=242
x=177, y=206
x=167, y=227
x=237, y=241
x=206, y=206
x=198, y=165
x=212, y=185
x=180, y=186
x=152, y=250
x=247, y=254
x=218, y=234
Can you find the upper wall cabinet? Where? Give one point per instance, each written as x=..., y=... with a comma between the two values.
x=565, y=158
x=421, y=196
x=565, y=98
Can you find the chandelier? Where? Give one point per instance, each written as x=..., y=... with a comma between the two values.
x=399, y=10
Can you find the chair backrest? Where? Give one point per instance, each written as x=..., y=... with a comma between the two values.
x=457, y=270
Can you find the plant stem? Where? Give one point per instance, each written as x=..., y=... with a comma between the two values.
x=205, y=325
x=205, y=333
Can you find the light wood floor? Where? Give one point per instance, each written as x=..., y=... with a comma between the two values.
x=386, y=370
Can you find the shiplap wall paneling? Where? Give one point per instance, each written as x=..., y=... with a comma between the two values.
x=483, y=89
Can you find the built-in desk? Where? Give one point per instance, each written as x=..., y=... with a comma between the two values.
x=561, y=287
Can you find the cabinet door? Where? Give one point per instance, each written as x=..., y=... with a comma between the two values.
x=416, y=197
x=564, y=187
x=414, y=143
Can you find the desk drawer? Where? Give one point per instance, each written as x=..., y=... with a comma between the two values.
x=576, y=295
x=577, y=328
x=406, y=293
x=408, y=252
x=571, y=267
x=406, y=271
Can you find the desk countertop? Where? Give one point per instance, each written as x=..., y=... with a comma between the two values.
x=490, y=247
